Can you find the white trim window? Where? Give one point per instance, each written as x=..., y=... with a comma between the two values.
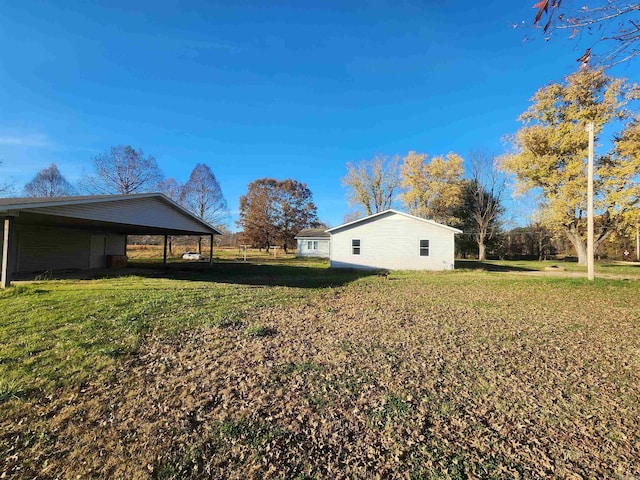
x=355, y=246
x=424, y=248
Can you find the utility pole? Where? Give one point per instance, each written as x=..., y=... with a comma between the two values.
x=590, y=266
x=638, y=242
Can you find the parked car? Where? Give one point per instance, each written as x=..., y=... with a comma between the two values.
x=192, y=256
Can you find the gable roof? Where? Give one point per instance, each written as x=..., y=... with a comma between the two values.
x=313, y=233
x=391, y=211
x=55, y=205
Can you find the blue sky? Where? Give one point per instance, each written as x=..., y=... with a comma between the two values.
x=266, y=89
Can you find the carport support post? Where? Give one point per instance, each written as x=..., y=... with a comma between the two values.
x=164, y=255
x=7, y=251
x=211, y=250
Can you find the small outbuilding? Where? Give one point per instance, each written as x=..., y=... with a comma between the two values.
x=313, y=242
x=85, y=232
x=393, y=240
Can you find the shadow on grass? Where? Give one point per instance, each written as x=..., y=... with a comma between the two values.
x=490, y=267
x=299, y=276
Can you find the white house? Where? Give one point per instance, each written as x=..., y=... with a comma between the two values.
x=313, y=242
x=393, y=240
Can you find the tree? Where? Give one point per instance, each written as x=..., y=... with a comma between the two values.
x=172, y=189
x=483, y=200
x=49, y=182
x=6, y=185
x=296, y=211
x=549, y=154
x=433, y=190
x=372, y=184
x=275, y=211
x=122, y=170
x=352, y=216
x=203, y=196
x=175, y=191
x=614, y=23
x=258, y=213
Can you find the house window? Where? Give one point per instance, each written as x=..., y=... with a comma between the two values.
x=424, y=248
x=355, y=246
x=312, y=245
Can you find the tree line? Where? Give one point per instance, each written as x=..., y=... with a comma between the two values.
x=546, y=156
x=271, y=213
x=125, y=170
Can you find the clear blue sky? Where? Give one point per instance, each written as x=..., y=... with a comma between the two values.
x=292, y=89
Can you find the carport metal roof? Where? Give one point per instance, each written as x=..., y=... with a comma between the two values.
x=144, y=213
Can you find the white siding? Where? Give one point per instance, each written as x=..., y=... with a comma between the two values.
x=322, y=251
x=151, y=212
x=47, y=248
x=392, y=241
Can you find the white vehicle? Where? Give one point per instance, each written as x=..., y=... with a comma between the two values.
x=192, y=256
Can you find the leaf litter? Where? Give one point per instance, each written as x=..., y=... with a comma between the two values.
x=429, y=377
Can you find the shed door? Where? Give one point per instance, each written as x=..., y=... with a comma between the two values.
x=97, y=258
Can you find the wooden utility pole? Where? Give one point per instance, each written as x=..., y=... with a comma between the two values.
x=590, y=266
x=638, y=243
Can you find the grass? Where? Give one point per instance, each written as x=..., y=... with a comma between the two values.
x=291, y=370
x=601, y=267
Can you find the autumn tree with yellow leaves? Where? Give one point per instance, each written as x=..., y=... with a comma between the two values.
x=372, y=184
x=433, y=189
x=550, y=150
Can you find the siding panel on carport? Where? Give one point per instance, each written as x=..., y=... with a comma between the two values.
x=45, y=248
x=42, y=248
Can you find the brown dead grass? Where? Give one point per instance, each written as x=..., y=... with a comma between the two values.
x=419, y=376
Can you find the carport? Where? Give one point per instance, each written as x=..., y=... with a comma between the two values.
x=86, y=232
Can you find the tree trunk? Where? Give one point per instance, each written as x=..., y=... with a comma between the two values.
x=579, y=244
x=200, y=245
x=482, y=251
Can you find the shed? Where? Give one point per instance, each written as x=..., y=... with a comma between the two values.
x=393, y=240
x=84, y=232
x=313, y=242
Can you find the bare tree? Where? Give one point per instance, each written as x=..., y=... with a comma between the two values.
x=352, y=216
x=485, y=193
x=6, y=185
x=122, y=170
x=175, y=191
x=372, y=184
x=49, y=182
x=203, y=196
x=614, y=25
x=172, y=189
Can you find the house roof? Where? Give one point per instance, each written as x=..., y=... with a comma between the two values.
x=70, y=208
x=313, y=233
x=387, y=212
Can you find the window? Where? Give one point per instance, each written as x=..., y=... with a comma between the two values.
x=424, y=248
x=355, y=246
x=315, y=244
x=309, y=244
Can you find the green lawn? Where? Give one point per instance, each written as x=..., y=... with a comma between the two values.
x=601, y=267
x=292, y=370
